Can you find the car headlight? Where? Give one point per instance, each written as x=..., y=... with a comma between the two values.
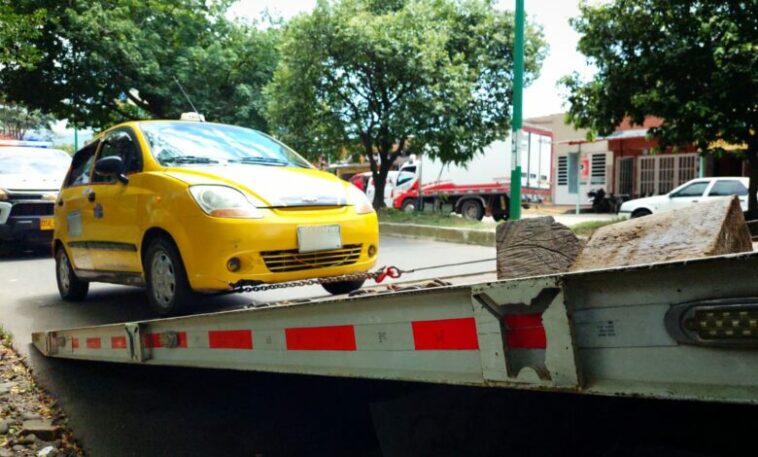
x=223, y=201
x=3, y=195
x=358, y=199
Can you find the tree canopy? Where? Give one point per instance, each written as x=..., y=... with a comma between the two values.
x=112, y=60
x=692, y=63
x=386, y=76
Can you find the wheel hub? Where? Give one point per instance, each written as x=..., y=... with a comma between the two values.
x=163, y=278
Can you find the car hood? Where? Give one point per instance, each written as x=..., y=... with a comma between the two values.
x=647, y=202
x=275, y=186
x=27, y=182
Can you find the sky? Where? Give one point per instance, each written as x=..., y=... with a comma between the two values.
x=542, y=97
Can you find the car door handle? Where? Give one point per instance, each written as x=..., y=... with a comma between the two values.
x=694, y=201
x=91, y=196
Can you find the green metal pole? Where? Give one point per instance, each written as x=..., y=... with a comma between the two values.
x=518, y=90
x=76, y=138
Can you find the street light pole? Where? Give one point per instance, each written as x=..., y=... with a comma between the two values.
x=518, y=89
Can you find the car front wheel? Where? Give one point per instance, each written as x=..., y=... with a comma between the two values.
x=343, y=287
x=168, y=289
x=70, y=287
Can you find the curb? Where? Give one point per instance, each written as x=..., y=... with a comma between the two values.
x=448, y=234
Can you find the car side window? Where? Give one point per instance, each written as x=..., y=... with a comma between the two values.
x=693, y=190
x=727, y=187
x=122, y=144
x=81, y=165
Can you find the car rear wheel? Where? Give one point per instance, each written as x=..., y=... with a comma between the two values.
x=168, y=289
x=70, y=287
x=343, y=287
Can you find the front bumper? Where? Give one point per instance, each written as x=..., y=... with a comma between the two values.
x=23, y=229
x=267, y=248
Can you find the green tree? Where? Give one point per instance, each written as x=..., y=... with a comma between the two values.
x=16, y=121
x=114, y=60
x=385, y=76
x=692, y=63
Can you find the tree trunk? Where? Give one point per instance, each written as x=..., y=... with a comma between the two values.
x=533, y=247
x=705, y=229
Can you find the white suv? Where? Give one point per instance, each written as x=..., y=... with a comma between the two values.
x=697, y=190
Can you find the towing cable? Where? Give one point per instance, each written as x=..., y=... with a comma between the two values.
x=393, y=272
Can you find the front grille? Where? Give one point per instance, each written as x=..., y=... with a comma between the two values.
x=292, y=260
x=33, y=209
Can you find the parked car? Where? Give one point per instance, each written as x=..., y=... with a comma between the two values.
x=30, y=176
x=397, y=182
x=697, y=190
x=182, y=207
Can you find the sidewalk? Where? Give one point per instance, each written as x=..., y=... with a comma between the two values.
x=484, y=236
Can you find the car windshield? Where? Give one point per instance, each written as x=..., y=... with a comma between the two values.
x=188, y=143
x=28, y=161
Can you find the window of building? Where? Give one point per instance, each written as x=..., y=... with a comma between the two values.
x=562, y=170
x=597, y=175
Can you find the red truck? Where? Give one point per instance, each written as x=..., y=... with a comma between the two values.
x=481, y=187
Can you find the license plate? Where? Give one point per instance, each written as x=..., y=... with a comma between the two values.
x=47, y=224
x=318, y=238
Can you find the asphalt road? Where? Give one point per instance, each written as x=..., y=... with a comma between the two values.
x=123, y=410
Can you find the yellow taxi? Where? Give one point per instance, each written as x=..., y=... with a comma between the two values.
x=185, y=206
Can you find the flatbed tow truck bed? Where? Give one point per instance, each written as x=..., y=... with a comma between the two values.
x=676, y=330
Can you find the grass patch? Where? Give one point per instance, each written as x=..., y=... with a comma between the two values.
x=589, y=227
x=428, y=218
x=6, y=339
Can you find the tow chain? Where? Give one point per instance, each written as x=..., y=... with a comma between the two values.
x=378, y=276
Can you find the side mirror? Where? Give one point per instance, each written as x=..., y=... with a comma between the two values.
x=112, y=166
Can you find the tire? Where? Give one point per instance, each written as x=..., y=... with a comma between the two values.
x=641, y=213
x=472, y=210
x=168, y=290
x=344, y=287
x=409, y=205
x=70, y=287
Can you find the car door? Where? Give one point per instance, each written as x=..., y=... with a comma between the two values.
x=724, y=188
x=72, y=208
x=687, y=195
x=116, y=219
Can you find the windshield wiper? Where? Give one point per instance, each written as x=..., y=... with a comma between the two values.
x=188, y=159
x=261, y=160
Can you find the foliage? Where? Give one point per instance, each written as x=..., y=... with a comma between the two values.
x=387, y=76
x=112, y=60
x=16, y=121
x=16, y=31
x=692, y=63
x=587, y=228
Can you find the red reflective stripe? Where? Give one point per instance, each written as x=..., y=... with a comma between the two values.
x=230, y=339
x=118, y=342
x=525, y=331
x=74, y=343
x=93, y=343
x=450, y=334
x=153, y=340
x=334, y=338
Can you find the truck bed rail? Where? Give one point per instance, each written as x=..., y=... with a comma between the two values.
x=676, y=330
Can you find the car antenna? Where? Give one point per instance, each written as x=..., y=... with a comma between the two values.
x=198, y=116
